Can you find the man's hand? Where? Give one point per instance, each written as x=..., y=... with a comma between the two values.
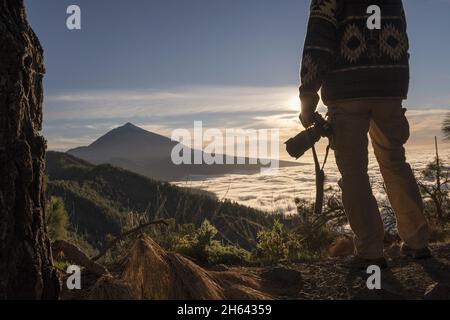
x=307, y=117
x=309, y=105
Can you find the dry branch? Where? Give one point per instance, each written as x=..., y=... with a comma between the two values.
x=126, y=234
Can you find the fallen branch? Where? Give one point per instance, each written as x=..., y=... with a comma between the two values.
x=126, y=234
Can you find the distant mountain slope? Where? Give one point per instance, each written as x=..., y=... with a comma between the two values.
x=98, y=199
x=62, y=166
x=147, y=153
x=128, y=142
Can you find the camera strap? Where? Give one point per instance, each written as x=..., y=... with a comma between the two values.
x=320, y=179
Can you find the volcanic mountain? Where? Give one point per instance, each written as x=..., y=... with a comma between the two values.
x=148, y=153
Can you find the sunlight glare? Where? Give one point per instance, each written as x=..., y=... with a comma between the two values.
x=294, y=103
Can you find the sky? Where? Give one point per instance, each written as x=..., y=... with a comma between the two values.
x=162, y=64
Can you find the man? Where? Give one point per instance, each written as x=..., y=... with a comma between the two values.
x=363, y=74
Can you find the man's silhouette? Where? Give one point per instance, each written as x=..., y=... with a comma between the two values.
x=363, y=75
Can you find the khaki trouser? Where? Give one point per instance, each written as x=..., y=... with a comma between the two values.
x=388, y=127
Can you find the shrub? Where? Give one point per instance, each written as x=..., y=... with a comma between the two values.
x=277, y=245
x=217, y=253
x=205, y=234
x=306, y=236
x=200, y=245
x=57, y=219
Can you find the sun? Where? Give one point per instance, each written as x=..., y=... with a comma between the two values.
x=294, y=103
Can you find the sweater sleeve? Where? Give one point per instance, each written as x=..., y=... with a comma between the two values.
x=319, y=48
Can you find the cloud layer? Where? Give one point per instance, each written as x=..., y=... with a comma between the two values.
x=276, y=193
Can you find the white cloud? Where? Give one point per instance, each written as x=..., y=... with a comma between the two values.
x=151, y=103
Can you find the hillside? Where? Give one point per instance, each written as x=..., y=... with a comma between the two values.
x=149, y=154
x=98, y=199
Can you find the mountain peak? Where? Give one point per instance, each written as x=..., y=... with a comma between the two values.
x=126, y=141
x=129, y=127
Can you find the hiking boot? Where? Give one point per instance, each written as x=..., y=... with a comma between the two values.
x=423, y=253
x=358, y=263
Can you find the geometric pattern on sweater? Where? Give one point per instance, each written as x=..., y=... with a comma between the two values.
x=353, y=44
x=325, y=9
x=393, y=42
x=309, y=70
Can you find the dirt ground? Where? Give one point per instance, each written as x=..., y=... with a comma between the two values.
x=405, y=278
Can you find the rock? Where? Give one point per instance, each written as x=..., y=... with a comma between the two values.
x=437, y=291
x=62, y=249
x=282, y=275
x=282, y=280
x=341, y=247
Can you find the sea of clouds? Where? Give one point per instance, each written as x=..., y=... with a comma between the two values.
x=275, y=193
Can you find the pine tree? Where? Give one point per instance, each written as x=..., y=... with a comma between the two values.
x=26, y=270
x=446, y=127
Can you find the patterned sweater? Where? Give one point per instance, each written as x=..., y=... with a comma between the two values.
x=346, y=59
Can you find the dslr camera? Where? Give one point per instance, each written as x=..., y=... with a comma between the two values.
x=297, y=146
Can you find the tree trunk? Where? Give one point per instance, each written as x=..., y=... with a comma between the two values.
x=26, y=270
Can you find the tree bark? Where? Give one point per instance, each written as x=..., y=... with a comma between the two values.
x=26, y=270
